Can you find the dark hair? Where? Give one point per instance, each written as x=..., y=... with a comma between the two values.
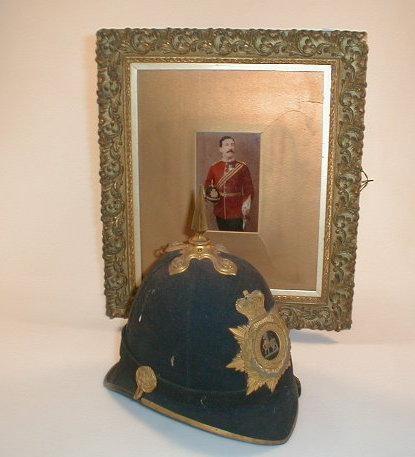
x=225, y=138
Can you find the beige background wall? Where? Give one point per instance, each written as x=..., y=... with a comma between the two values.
x=55, y=341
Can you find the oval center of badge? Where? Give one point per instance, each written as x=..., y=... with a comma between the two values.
x=270, y=345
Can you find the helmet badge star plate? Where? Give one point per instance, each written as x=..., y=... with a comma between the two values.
x=264, y=343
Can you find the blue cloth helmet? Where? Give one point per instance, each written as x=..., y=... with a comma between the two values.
x=204, y=344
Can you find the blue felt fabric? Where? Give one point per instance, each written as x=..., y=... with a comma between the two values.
x=179, y=325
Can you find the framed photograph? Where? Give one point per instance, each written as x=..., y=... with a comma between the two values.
x=269, y=122
x=227, y=166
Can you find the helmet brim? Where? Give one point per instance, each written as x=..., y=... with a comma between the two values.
x=263, y=418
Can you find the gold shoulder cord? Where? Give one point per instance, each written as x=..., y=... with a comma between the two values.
x=199, y=246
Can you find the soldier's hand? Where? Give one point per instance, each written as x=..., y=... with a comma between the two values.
x=245, y=211
x=246, y=206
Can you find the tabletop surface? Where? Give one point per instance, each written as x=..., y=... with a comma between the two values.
x=357, y=399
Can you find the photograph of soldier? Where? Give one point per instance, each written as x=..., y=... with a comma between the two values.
x=229, y=183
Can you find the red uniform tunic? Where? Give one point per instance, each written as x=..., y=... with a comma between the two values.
x=234, y=183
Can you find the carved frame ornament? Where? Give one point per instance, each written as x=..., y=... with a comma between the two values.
x=345, y=51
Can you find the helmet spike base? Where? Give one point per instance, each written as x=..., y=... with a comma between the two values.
x=199, y=246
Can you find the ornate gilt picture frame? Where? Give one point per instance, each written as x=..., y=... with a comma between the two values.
x=314, y=80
